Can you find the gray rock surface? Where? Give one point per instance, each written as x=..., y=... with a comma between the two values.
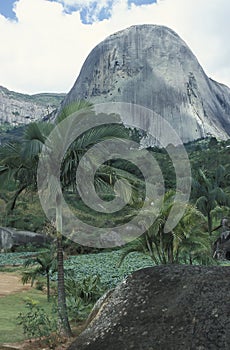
x=163, y=308
x=16, y=108
x=152, y=66
x=221, y=247
x=10, y=238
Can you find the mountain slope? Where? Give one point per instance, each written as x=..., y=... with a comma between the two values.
x=152, y=66
x=16, y=108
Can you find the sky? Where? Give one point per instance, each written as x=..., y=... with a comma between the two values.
x=44, y=43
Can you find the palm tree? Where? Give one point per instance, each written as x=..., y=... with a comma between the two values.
x=26, y=160
x=13, y=166
x=169, y=247
x=18, y=161
x=46, y=264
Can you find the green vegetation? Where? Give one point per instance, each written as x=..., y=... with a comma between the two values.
x=184, y=244
x=209, y=193
x=106, y=266
x=89, y=275
x=43, y=98
x=45, y=264
x=204, y=156
x=36, y=322
x=5, y=127
x=9, y=133
x=14, y=259
x=19, y=162
x=11, y=306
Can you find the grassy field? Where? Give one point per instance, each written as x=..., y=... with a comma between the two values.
x=10, y=306
x=103, y=264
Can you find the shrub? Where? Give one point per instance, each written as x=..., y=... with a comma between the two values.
x=77, y=310
x=90, y=289
x=37, y=323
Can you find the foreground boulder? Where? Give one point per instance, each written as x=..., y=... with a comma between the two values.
x=164, y=308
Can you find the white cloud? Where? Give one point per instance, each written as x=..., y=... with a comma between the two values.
x=93, y=7
x=46, y=48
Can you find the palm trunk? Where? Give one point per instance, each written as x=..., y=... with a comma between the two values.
x=62, y=308
x=48, y=285
x=170, y=252
x=16, y=196
x=209, y=224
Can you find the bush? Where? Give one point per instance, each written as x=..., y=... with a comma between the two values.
x=40, y=285
x=37, y=323
x=90, y=289
x=77, y=310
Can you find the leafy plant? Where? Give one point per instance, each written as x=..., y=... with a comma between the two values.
x=36, y=322
x=14, y=259
x=81, y=295
x=166, y=247
x=89, y=289
x=209, y=193
x=77, y=310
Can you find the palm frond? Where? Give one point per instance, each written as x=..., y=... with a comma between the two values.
x=99, y=134
x=72, y=108
x=10, y=155
x=137, y=248
x=30, y=276
x=33, y=132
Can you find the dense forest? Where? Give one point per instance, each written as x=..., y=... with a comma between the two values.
x=209, y=198
x=196, y=239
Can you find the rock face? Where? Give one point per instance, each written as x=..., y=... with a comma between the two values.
x=221, y=248
x=16, y=108
x=152, y=66
x=10, y=238
x=164, y=308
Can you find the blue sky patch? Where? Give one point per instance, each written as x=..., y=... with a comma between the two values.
x=91, y=13
x=6, y=9
x=141, y=2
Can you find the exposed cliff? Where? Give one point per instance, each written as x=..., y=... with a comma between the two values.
x=152, y=66
x=16, y=108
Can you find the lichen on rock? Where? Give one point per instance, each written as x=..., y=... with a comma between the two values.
x=173, y=307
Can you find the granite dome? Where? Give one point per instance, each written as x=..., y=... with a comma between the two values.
x=152, y=66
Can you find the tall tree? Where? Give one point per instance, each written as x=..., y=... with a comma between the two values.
x=23, y=157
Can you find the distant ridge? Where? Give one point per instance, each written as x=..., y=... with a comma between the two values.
x=19, y=109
